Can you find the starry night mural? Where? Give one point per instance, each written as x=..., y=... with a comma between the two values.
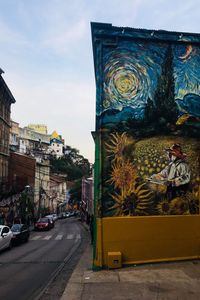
x=147, y=80
x=148, y=112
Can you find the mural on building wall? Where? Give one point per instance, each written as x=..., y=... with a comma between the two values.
x=149, y=118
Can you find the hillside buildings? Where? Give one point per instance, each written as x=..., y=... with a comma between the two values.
x=27, y=189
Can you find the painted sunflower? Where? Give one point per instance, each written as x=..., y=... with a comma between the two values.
x=180, y=206
x=123, y=175
x=193, y=199
x=134, y=201
x=164, y=207
x=117, y=144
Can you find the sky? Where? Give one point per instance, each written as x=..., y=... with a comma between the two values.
x=46, y=54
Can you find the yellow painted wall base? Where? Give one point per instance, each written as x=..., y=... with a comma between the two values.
x=148, y=239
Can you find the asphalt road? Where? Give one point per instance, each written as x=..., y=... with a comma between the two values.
x=40, y=268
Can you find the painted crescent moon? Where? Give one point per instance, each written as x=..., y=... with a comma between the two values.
x=188, y=52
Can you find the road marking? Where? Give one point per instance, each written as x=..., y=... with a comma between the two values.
x=47, y=237
x=70, y=236
x=37, y=237
x=59, y=237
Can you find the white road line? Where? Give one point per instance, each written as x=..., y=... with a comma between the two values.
x=78, y=236
x=34, y=238
x=59, y=237
x=47, y=237
x=70, y=236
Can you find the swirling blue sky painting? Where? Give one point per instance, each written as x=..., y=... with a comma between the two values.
x=186, y=70
x=131, y=75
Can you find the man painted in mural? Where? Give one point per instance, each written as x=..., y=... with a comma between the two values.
x=176, y=175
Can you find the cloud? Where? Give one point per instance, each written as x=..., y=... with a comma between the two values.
x=63, y=40
x=10, y=36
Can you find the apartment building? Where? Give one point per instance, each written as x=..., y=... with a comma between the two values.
x=6, y=100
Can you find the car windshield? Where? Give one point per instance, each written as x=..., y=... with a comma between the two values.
x=42, y=221
x=16, y=227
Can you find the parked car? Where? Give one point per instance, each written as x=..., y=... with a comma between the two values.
x=67, y=215
x=54, y=216
x=5, y=237
x=70, y=214
x=62, y=215
x=50, y=217
x=42, y=224
x=20, y=233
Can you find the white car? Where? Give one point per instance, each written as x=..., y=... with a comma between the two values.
x=5, y=237
x=53, y=216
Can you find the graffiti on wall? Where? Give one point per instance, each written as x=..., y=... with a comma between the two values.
x=149, y=116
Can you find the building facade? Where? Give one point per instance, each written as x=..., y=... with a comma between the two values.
x=40, y=128
x=42, y=187
x=147, y=141
x=6, y=99
x=56, y=145
x=31, y=141
x=14, y=136
x=58, y=192
x=87, y=198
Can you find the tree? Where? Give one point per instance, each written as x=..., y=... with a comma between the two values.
x=72, y=164
x=75, y=193
x=149, y=111
x=75, y=167
x=166, y=110
x=26, y=205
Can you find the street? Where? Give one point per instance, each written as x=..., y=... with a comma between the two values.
x=31, y=269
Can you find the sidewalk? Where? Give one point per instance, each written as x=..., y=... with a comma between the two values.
x=166, y=281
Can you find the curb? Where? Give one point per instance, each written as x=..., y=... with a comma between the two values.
x=74, y=288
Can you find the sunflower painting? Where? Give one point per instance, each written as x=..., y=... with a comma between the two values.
x=131, y=179
x=130, y=195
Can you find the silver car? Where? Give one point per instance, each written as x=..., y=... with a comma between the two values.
x=5, y=237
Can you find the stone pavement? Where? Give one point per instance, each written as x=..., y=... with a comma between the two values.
x=166, y=281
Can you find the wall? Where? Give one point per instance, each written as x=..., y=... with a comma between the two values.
x=42, y=187
x=22, y=167
x=147, y=136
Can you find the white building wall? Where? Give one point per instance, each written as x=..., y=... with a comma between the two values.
x=57, y=149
